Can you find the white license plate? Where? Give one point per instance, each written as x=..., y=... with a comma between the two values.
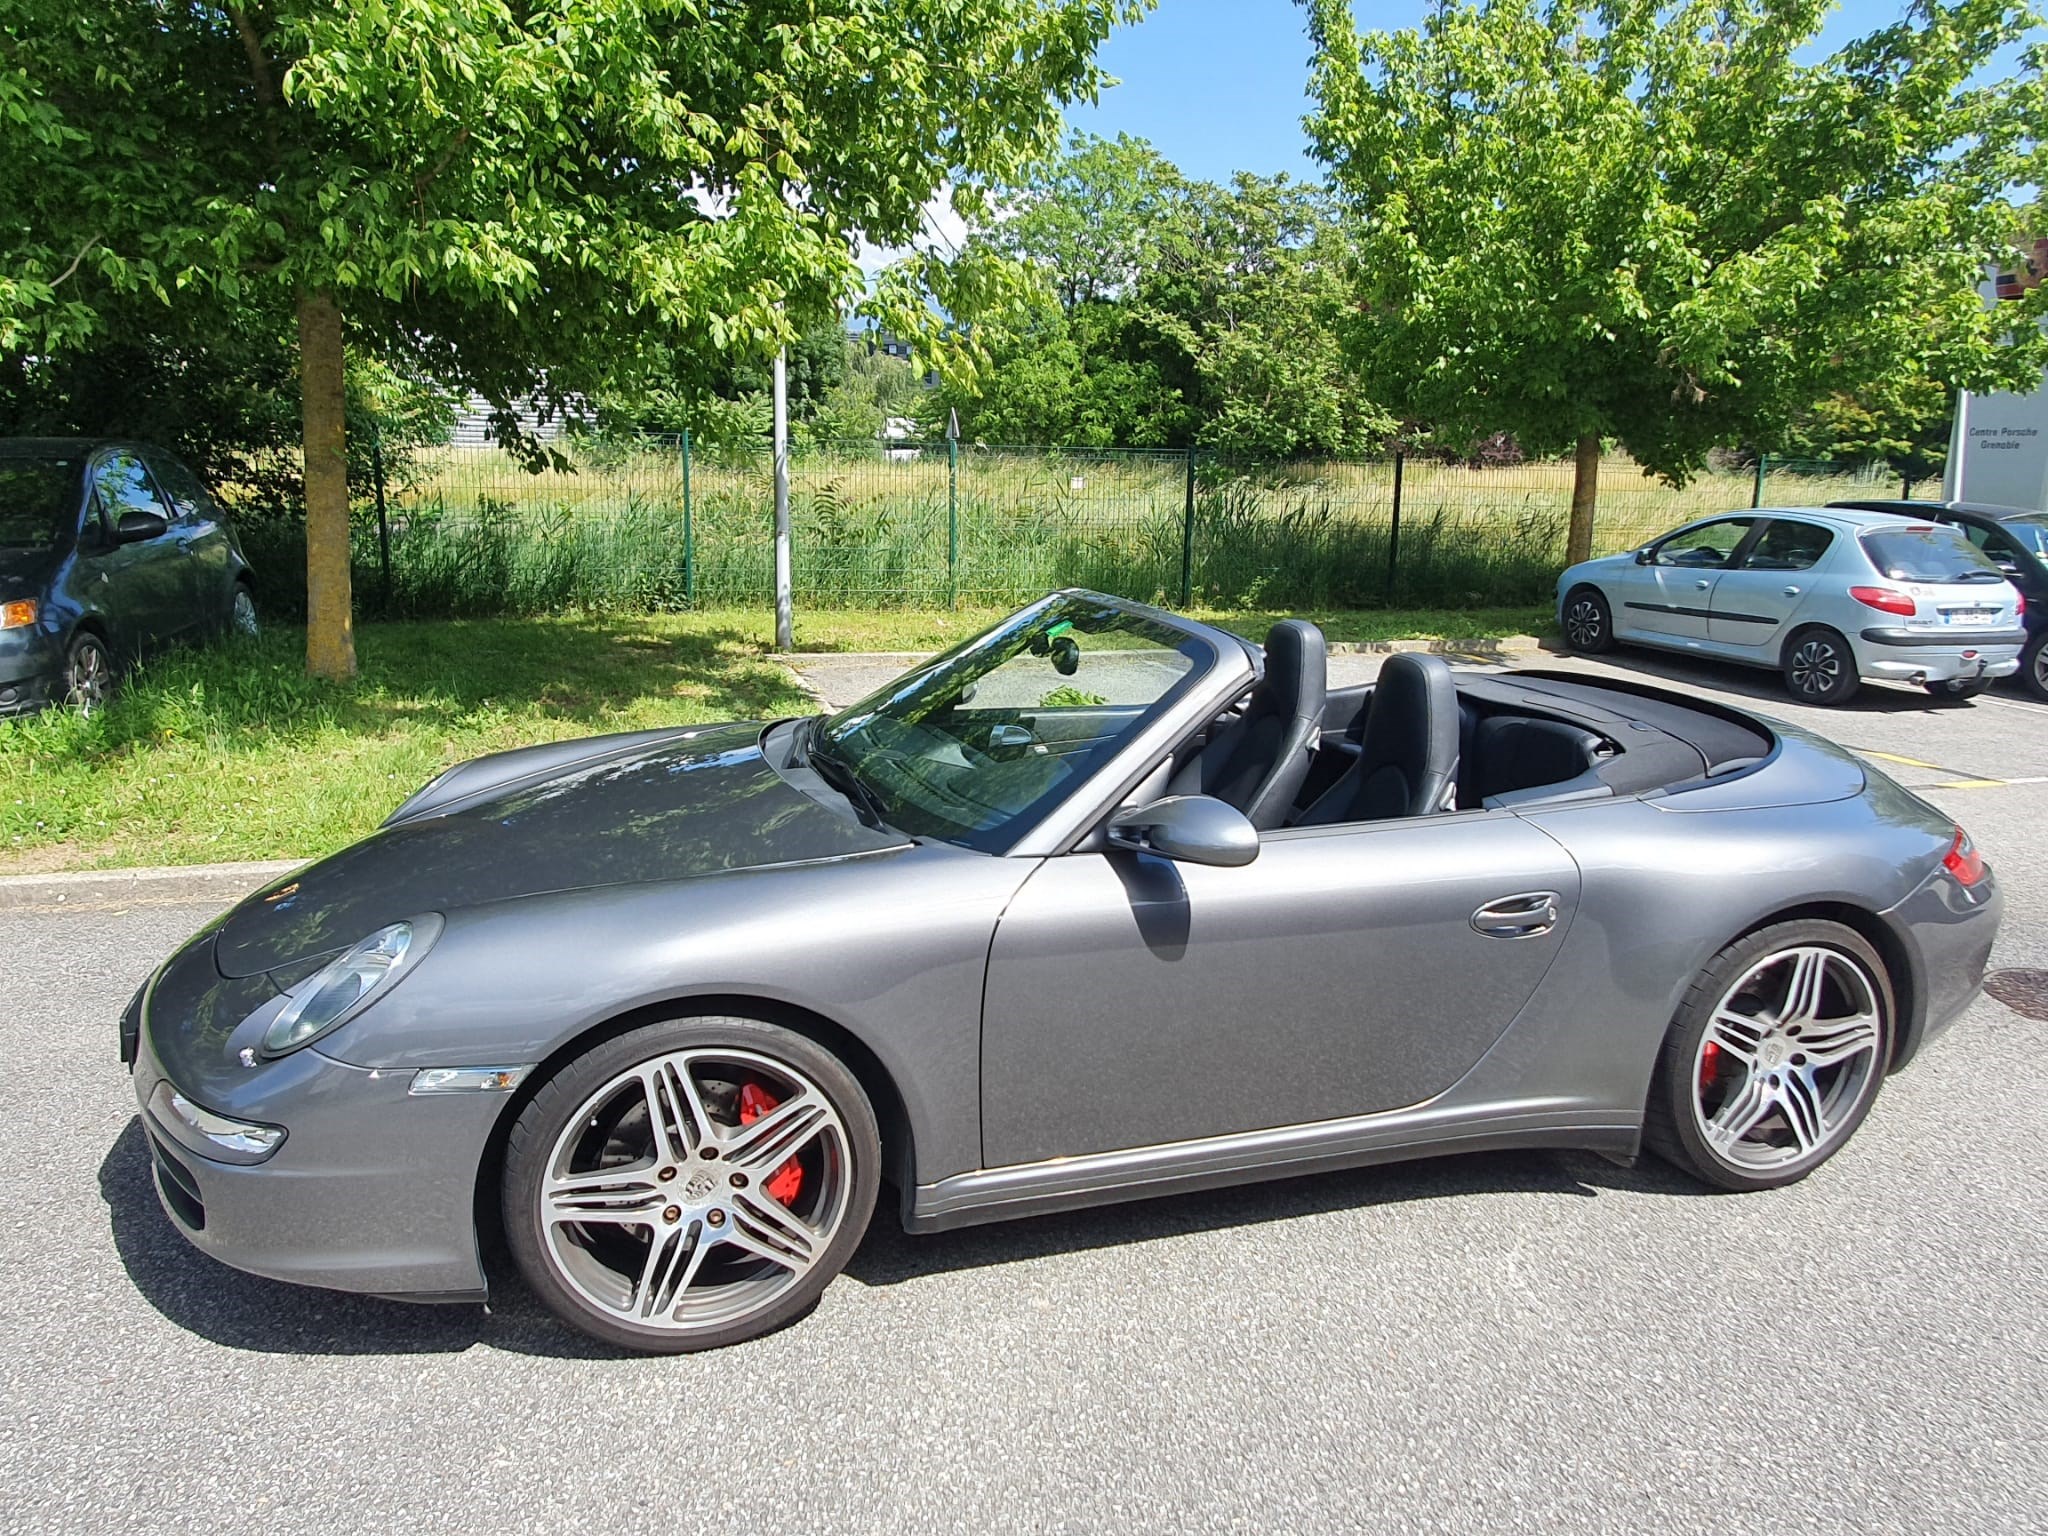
x=1968, y=615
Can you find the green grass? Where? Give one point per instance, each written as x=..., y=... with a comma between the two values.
x=233, y=753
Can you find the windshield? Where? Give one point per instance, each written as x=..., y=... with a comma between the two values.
x=38, y=501
x=975, y=746
x=1928, y=552
x=2031, y=532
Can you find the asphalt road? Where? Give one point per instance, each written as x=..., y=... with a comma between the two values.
x=1503, y=1342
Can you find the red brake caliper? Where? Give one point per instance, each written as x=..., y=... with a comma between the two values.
x=786, y=1182
x=1710, y=1064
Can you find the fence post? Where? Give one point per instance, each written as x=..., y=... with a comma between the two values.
x=1187, y=537
x=953, y=513
x=689, y=532
x=1756, y=493
x=383, y=521
x=1394, y=527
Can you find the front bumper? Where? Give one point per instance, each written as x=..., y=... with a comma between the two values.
x=373, y=1189
x=1915, y=655
x=31, y=671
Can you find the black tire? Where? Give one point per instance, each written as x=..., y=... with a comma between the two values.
x=563, y=1101
x=1956, y=690
x=1820, y=668
x=1677, y=1104
x=89, y=675
x=1588, y=621
x=2033, y=673
x=243, y=620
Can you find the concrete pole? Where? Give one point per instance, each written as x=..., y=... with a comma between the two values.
x=785, y=618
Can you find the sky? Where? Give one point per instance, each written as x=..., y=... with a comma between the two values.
x=1219, y=85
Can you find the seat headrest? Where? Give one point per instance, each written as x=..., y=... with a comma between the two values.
x=1297, y=671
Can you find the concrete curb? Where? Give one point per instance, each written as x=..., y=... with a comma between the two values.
x=167, y=886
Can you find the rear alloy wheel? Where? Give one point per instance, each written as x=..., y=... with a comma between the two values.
x=2034, y=666
x=1588, y=622
x=1820, y=668
x=691, y=1184
x=1957, y=689
x=88, y=674
x=1774, y=1058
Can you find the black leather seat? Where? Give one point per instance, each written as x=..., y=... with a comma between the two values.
x=1258, y=761
x=1408, y=759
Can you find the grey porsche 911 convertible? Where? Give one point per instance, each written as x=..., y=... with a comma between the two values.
x=1100, y=904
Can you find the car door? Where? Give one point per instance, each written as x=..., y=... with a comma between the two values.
x=1133, y=1001
x=1671, y=597
x=143, y=588
x=203, y=537
x=1752, y=605
x=2022, y=566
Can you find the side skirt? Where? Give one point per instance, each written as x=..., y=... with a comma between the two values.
x=1137, y=1173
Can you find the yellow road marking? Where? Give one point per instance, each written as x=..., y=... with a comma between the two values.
x=1893, y=757
x=1969, y=784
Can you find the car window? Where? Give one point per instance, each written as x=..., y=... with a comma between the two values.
x=963, y=749
x=124, y=486
x=1927, y=552
x=1788, y=545
x=1708, y=545
x=2030, y=532
x=182, y=486
x=38, y=501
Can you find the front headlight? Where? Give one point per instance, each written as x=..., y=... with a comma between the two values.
x=343, y=987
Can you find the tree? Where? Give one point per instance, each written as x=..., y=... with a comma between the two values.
x=1650, y=222
x=513, y=198
x=1173, y=313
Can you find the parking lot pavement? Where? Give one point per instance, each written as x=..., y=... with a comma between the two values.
x=1499, y=1342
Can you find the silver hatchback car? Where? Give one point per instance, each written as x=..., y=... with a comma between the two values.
x=1828, y=596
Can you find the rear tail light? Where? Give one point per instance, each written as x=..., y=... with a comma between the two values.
x=2019, y=605
x=1963, y=860
x=1885, y=600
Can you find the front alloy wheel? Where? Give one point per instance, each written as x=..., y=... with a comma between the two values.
x=242, y=612
x=691, y=1184
x=1775, y=1058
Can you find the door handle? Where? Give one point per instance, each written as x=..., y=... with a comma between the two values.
x=1521, y=916
x=1791, y=591
x=1703, y=584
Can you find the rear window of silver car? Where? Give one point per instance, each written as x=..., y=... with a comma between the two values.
x=1927, y=552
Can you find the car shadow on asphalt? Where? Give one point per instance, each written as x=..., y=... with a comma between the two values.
x=240, y=1311
x=1767, y=689
x=889, y=1255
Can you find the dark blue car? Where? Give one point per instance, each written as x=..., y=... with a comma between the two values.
x=108, y=551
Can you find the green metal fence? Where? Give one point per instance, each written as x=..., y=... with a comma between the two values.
x=659, y=523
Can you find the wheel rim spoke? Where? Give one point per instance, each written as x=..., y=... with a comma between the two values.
x=1834, y=1041
x=623, y=1196
x=1737, y=1034
x=777, y=1136
x=1803, y=987
x=1799, y=1100
x=1740, y=1115
x=674, y=1110
x=766, y=1228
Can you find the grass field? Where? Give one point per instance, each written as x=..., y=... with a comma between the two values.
x=234, y=753
x=473, y=535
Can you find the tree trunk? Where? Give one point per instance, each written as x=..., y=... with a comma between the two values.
x=330, y=626
x=1585, y=489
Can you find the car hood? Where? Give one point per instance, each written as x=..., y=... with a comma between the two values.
x=626, y=810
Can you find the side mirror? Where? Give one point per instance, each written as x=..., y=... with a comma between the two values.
x=135, y=527
x=1643, y=557
x=1066, y=655
x=1197, y=829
